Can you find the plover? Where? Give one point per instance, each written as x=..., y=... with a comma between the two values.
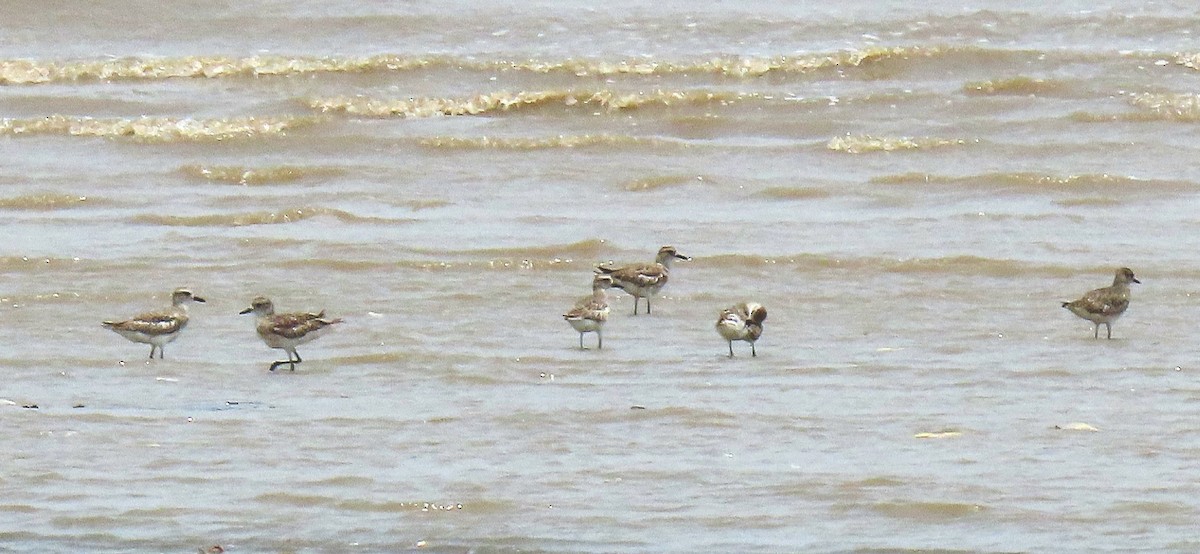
x=1107, y=304
x=644, y=280
x=742, y=322
x=159, y=327
x=287, y=331
x=590, y=312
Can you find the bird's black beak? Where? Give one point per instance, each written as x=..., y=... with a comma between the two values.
x=198, y=299
x=1136, y=281
x=246, y=311
x=684, y=258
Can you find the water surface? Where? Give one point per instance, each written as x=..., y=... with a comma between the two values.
x=910, y=188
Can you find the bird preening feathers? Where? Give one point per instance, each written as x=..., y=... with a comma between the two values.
x=742, y=322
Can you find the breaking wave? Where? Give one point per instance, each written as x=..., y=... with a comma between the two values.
x=32, y=72
x=257, y=176
x=254, y=218
x=155, y=129
x=504, y=101
x=863, y=144
x=1036, y=181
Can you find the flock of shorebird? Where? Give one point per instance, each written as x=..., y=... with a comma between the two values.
x=744, y=322
x=741, y=322
x=282, y=331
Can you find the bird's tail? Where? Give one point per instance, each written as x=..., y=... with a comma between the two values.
x=1065, y=304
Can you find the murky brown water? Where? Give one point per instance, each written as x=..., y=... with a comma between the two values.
x=909, y=188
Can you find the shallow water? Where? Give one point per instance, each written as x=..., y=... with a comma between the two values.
x=909, y=188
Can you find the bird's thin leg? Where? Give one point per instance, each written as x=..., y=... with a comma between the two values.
x=635, y=303
x=160, y=352
x=599, y=340
x=298, y=360
x=581, y=342
x=753, y=352
x=151, y=351
x=647, y=305
x=287, y=362
x=1109, y=327
x=1096, y=335
x=730, y=348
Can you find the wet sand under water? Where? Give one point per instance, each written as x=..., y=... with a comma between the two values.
x=910, y=191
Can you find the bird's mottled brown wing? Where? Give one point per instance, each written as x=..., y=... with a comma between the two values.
x=294, y=326
x=1103, y=301
x=588, y=308
x=162, y=322
x=641, y=275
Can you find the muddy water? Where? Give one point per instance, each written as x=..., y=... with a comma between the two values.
x=909, y=188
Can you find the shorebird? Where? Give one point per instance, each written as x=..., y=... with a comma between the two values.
x=1106, y=304
x=644, y=280
x=590, y=312
x=159, y=327
x=742, y=322
x=287, y=331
